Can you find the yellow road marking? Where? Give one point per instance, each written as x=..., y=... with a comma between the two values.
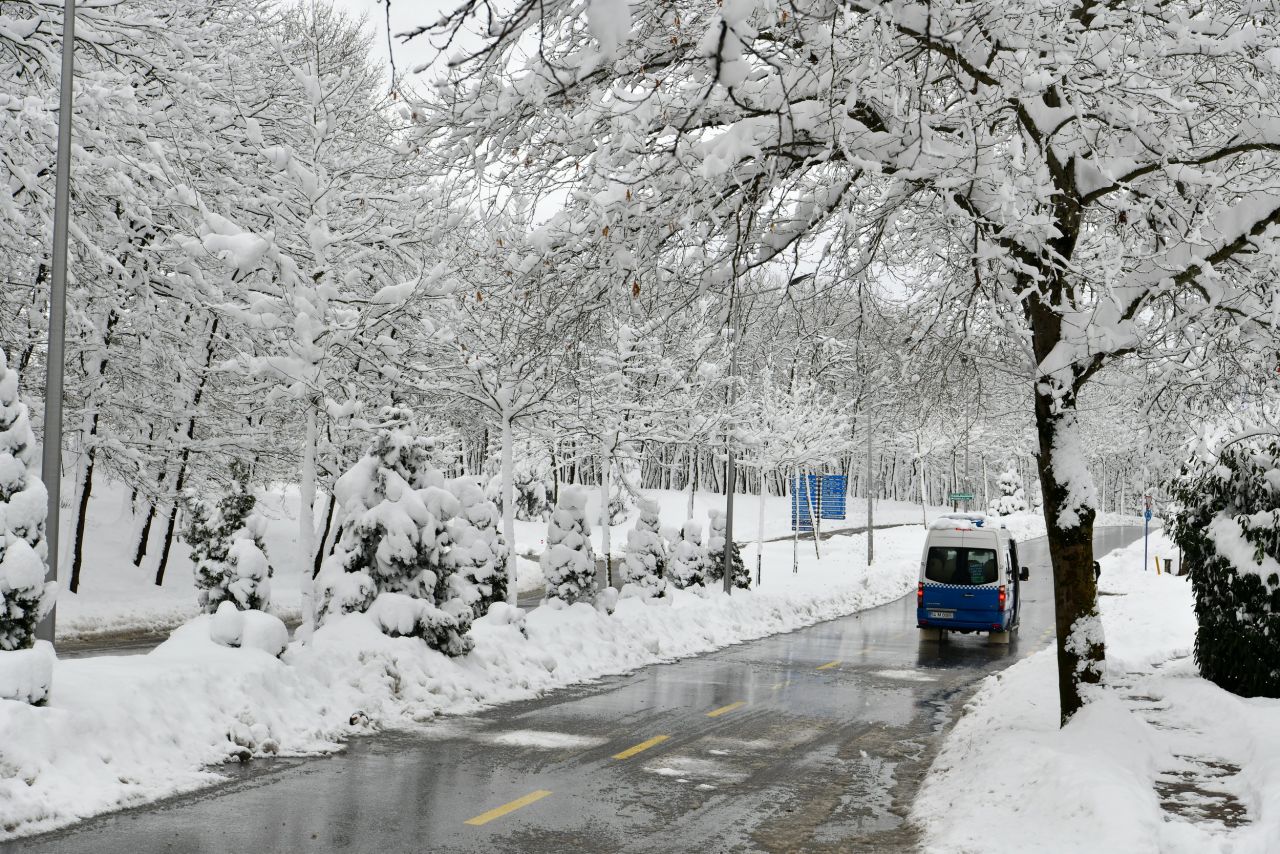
x=724, y=710
x=499, y=812
x=642, y=746
x=829, y=665
x=781, y=685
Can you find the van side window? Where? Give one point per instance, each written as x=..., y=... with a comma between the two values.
x=961, y=566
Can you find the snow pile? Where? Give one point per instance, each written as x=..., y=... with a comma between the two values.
x=1093, y=785
x=124, y=730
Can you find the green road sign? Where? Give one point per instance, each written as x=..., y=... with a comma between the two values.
x=960, y=496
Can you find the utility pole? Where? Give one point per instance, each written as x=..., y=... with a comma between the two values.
x=51, y=462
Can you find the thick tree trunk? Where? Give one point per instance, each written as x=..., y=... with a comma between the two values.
x=1069, y=515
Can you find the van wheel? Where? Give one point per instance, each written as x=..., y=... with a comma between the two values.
x=931, y=634
x=1001, y=638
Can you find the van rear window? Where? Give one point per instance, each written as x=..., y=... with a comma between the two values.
x=961, y=566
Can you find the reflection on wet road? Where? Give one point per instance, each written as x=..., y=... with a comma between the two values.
x=810, y=741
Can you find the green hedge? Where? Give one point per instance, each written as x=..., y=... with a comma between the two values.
x=1238, y=640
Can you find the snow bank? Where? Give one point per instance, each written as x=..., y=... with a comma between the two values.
x=1008, y=779
x=124, y=730
x=1029, y=526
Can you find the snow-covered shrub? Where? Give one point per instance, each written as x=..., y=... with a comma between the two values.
x=479, y=549
x=715, y=553
x=227, y=552
x=25, y=597
x=248, y=629
x=1227, y=523
x=646, y=557
x=394, y=546
x=688, y=564
x=532, y=483
x=1011, y=499
x=568, y=561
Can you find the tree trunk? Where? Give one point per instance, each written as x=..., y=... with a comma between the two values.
x=1067, y=491
x=324, y=537
x=509, y=506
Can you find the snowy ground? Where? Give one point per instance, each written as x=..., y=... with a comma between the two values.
x=116, y=596
x=1030, y=525
x=122, y=730
x=1008, y=780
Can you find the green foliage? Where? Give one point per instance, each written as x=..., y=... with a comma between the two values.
x=211, y=530
x=1228, y=527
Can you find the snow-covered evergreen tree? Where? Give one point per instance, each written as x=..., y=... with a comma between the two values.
x=1011, y=500
x=646, y=556
x=392, y=555
x=531, y=479
x=25, y=597
x=1228, y=528
x=715, y=553
x=568, y=561
x=688, y=565
x=227, y=552
x=478, y=545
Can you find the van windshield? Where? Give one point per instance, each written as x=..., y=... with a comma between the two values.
x=961, y=566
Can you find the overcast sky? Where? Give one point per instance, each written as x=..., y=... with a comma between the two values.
x=405, y=14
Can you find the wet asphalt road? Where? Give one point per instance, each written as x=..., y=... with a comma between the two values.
x=811, y=741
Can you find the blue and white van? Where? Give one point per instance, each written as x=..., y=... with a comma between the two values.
x=970, y=580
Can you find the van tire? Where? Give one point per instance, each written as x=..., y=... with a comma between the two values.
x=930, y=634
x=1002, y=638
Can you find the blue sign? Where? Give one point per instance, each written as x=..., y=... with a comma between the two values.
x=817, y=496
x=1147, y=515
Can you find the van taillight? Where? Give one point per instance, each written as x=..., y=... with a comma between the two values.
x=920, y=595
x=1002, y=597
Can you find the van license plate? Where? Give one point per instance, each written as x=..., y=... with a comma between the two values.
x=942, y=615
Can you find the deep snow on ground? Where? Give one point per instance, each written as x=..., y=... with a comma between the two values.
x=1008, y=780
x=122, y=730
x=117, y=596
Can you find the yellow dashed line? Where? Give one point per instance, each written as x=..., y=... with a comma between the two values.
x=642, y=746
x=781, y=685
x=499, y=812
x=724, y=710
x=829, y=665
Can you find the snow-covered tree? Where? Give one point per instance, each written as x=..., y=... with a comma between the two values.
x=716, y=544
x=1011, y=500
x=646, y=556
x=531, y=481
x=391, y=559
x=478, y=549
x=688, y=564
x=1227, y=525
x=25, y=597
x=568, y=561
x=1019, y=161
x=227, y=552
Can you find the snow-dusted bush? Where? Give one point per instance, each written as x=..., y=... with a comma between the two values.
x=1011, y=499
x=25, y=597
x=248, y=629
x=646, y=557
x=715, y=553
x=568, y=561
x=532, y=482
x=478, y=545
x=394, y=545
x=227, y=552
x=688, y=564
x=1227, y=524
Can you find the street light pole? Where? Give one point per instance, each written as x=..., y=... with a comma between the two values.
x=51, y=462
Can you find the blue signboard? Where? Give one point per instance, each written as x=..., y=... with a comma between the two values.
x=817, y=496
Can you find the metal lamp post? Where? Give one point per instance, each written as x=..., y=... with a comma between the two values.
x=51, y=463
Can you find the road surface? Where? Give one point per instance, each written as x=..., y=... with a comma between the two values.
x=811, y=741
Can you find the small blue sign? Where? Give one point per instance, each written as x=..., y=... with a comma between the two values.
x=1147, y=515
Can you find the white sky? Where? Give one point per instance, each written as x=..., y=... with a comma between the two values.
x=405, y=14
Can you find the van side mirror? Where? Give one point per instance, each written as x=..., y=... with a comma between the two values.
x=1025, y=575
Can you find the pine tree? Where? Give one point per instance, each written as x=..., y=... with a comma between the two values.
x=478, y=545
x=568, y=562
x=688, y=559
x=392, y=559
x=715, y=553
x=227, y=552
x=646, y=556
x=1011, y=499
x=25, y=597
x=1228, y=527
